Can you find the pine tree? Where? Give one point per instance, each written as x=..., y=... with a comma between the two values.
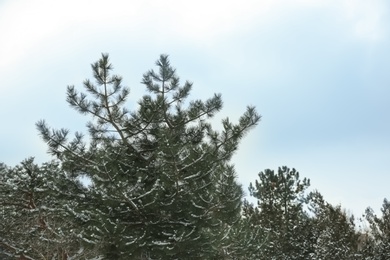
x=161, y=182
x=33, y=222
x=255, y=237
x=334, y=231
x=378, y=244
x=281, y=197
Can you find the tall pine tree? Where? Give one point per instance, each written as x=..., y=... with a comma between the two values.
x=161, y=182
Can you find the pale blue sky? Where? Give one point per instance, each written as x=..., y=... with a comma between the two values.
x=317, y=71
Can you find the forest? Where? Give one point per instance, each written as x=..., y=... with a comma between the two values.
x=158, y=182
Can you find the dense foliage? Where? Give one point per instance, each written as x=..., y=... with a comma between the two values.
x=158, y=183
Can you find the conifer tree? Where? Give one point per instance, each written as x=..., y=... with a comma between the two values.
x=33, y=222
x=162, y=186
x=281, y=197
x=333, y=231
x=377, y=246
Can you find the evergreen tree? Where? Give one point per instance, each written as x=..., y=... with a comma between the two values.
x=33, y=222
x=281, y=197
x=246, y=241
x=377, y=246
x=161, y=183
x=299, y=225
x=334, y=231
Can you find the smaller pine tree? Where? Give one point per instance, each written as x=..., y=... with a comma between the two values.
x=377, y=244
x=281, y=197
x=33, y=221
x=333, y=230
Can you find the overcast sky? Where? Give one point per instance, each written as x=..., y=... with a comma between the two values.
x=317, y=71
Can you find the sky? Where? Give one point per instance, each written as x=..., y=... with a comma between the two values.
x=316, y=70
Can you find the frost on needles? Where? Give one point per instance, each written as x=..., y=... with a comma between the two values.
x=161, y=179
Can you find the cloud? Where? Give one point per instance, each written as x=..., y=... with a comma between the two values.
x=366, y=18
x=27, y=25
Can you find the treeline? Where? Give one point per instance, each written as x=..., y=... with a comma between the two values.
x=157, y=183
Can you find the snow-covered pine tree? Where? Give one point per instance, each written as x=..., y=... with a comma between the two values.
x=280, y=210
x=334, y=232
x=34, y=223
x=161, y=182
x=377, y=245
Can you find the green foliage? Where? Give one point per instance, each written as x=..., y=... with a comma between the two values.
x=281, y=197
x=298, y=224
x=377, y=242
x=161, y=181
x=333, y=230
x=33, y=222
